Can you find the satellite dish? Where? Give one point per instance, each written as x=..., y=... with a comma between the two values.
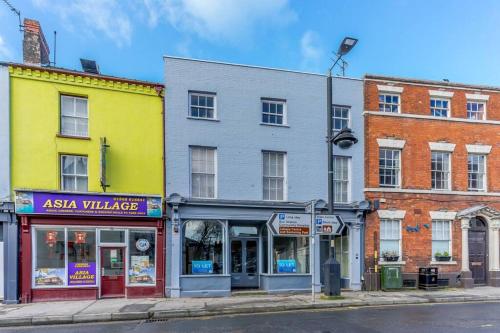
x=89, y=66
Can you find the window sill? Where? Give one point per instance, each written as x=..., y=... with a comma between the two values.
x=207, y=119
x=65, y=136
x=443, y=262
x=395, y=263
x=275, y=125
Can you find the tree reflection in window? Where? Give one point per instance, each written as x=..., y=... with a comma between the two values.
x=203, y=242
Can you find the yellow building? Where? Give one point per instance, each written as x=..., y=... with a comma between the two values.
x=59, y=114
x=87, y=173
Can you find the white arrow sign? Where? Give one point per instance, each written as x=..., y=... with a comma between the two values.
x=329, y=224
x=290, y=224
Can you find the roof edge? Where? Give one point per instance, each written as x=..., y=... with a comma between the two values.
x=80, y=73
x=375, y=77
x=257, y=67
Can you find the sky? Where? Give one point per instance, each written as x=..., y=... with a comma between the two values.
x=457, y=40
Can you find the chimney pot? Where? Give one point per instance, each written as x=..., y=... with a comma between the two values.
x=35, y=48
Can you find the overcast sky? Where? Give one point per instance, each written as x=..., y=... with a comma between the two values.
x=453, y=39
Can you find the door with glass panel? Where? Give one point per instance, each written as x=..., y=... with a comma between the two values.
x=112, y=272
x=244, y=263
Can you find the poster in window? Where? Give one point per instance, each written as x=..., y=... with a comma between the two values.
x=287, y=266
x=141, y=270
x=49, y=276
x=202, y=267
x=81, y=274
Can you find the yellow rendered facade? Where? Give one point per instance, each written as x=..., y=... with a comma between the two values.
x=127, y=114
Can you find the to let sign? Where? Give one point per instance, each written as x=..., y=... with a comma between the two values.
x=290, y=224
x=329, y=224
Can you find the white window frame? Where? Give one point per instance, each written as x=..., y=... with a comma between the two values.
x=202, y=94
x=390, y=104
x=450, y=240
x=448, y=188
x=441, y=99
x=399, y=174
x=485, y=173
x=389, y=239
x=343, y=107
x=75, y=175
x=285, y=174
x=74, y=116
x=275, y=101
x=471, y=101
x=191, y=171
x=348, y=160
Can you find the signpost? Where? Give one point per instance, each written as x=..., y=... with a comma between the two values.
x=290, y=224
x=329, y=225
x=300, y=224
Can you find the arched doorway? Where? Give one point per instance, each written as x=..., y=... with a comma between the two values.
x=478, y=244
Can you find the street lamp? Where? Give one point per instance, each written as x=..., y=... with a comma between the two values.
x=344, y=139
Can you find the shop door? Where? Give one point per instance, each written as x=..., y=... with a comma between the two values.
x=112, y=272
x=244, y=263
x=477, y=251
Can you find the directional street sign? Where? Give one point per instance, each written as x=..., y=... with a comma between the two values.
x=329, y=225
x=290, y=224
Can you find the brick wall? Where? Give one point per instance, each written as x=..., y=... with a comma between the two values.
x=416, y=167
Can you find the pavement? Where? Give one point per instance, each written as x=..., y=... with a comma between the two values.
x=154, y=309
x=430, y=317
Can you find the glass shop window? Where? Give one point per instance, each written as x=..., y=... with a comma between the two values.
x=50, y=257
x=112, y=236
x=291, y=255
x=203, y=247
x=82, y=257
x=142, y=249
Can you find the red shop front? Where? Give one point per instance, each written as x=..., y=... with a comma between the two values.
x=79, y=246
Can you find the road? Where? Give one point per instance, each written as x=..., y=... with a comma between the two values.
x=435, y=318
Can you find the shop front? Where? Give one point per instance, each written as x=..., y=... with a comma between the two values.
x=89, y=246
x=219, y=247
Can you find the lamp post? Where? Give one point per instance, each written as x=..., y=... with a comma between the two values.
x=344, y=139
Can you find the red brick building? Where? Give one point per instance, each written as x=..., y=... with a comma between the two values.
x=432, y=161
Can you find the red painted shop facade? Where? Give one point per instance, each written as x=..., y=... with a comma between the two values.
x=89, y=246
x=432, y=157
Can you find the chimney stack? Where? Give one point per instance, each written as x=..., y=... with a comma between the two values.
x=35, y=48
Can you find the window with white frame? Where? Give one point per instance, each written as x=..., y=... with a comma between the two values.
x=341, y=117
x=389, y=167
x=440, y=170
x=476, y=110
x=390, y=237
x=388, y=103
x=476, y=165
x=74, y=175
x=203, y=172
x=202, y=105
x=441, y=240
x=440, y=107
x=274, y=178
x=274, y=111
x=341, y=176
x=74, y=116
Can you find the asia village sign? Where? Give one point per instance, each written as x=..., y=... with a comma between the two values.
x=56, y=203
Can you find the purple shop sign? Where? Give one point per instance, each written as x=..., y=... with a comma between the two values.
x=81, y=274
x=87, y=205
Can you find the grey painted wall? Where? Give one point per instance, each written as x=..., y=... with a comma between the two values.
x=240, y=137
x=4, y=134
x=349, y=92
